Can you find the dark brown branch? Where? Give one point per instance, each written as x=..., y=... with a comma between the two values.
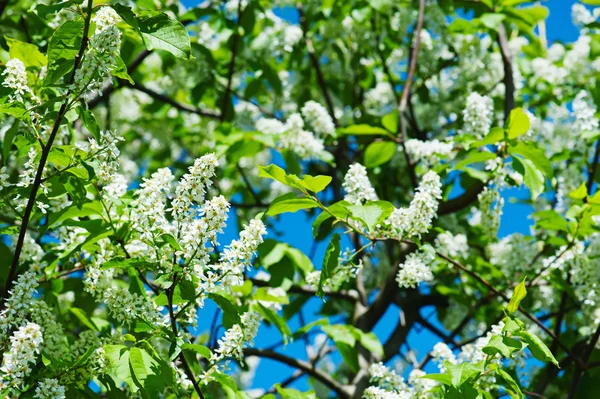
x=182, y=359
x=523, y=311
x=168, y=100
x=509, y=84
x=414, y=55
x=231, y=70
x=315, y=63
x=349, y=295
x=12, y=273
x=592, y=168
x=462, y=201
x=302, y=365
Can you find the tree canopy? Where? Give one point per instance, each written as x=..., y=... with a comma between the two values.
x=152, y=153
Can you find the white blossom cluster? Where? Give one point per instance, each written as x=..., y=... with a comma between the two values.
x=478, y=115
x=418, y=217
x=390, y=385
x=29, y=170
x=24, y=348
x=318, y=118
x=584, y=113
x=454, y=246
x=237, y=255
x=277, y=38
x=16, y=79
x=49, y=388
x=429, y=152
x=357, y=185
x=293, y=136
x=513, y=254
x=106, y=152
x=415, y=270
x=100, y=57
x=19, y=303
x=489, y=213
x=581, y=16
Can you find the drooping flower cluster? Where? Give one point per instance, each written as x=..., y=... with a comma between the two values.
x=19, y=303
x=237, y=255
x=390, y=385
x=418, y=217
x=478, y=115
x=357, y=185
x=16, y=79
x=192, y=188
x=237, y=338
x=490, y=211
x=317, y=116
x=292, y=136
x=100, y=57
x=415, y=270
x=106, y=152
x=429, y=152
x=49, y=388
x=585, y=119
x=24, y=348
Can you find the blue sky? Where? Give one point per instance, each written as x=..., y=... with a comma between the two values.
x=295, y=229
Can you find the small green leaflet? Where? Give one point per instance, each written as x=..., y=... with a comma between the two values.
x=330, y=262
x=518, y=294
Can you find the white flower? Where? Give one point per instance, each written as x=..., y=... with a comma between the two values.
x=357, y=185
x=585, y=119
x=428, y=151
x=478, y=115
x=581, y=15
x=16, y=79
x=4, y=178
x=49, y=388
x=490, y=205
x=414, y=270
x=237, y=337
x=237, y=256
x=270, y=126
x=418, y=217
x=24, y=348
x=440, y=353
x=318, y=117
x=27, y=176
x=19, y=302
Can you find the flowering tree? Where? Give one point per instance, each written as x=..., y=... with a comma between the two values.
x=133, y=133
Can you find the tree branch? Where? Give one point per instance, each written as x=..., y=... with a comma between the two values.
x=315, y=63
x=12, y=273
x=308, y=368
x=234, y=47
x=168, y=100
x=509, y=84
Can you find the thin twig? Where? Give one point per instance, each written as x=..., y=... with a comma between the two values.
x=12, y=273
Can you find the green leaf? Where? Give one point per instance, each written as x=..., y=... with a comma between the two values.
x=362, y=130
x=390, y=121
x=199, y=349
x=289, y=393
x=118, y=356
x=534, y=178
x=277, y=321
x=159, y=32
x=518, y=123
x=580, y=193
x=372, y=213
x=290, y=205
x=510, y=382
x=120, y=70
x=443, y=378
x=144, y=370
x=378, y=153
x=330, y=262
x=88, y=209
x=316, y=183
x=537, y=347
x=89, y=121
x=28, y=53
x=518, y=294
x=505, y=346
x=83, y=318
x=534, y=154
x=230, y=313
x=62, y=50
x=463, y=372
x=371, y=342
x=307, y=327
x=492, y=21
x=495, y=135
x=124, y=263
